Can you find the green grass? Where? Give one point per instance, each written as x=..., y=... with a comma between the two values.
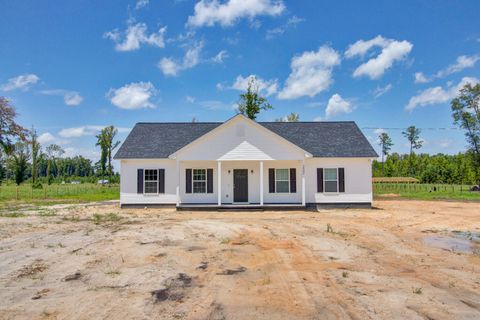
x=425, y=191
x=109, y=217
x=11, y=195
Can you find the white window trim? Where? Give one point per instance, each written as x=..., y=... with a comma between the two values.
x=288, y=170
x=145, y=180
x=206, y=181
x=324, y=189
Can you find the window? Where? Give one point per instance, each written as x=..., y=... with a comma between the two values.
x=199, y=180
x=282, y=181
x=151, y=181
x=330, y=179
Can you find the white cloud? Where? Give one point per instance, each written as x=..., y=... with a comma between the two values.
x=88, y=130
x=462, y=62
x=135, y=36
x=318, y=119
x=141, y=4
x=374, y=68
x=379, y=131
x=171, y=67
x=46, y=137
x=278, y=31
x=267, y=87
x=445, y=143
x=421, y=78
x=380, y=91
x=220, y=57
x=311, y=73
x=436, y=95
x=135, y=95
x=210, y=12
x=190, y=99
x=337, y=105
x=71, y=98
x=23, y=82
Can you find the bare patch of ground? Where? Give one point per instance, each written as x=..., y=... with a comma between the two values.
x=400, y=260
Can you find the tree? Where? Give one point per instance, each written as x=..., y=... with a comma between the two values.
x=19, y=161
x=413, y=136
x=466, y=115
x=107, y=145
x=35, y=147
x=54, y=151
x=386, y=143
x=9, y=129
x=251, y=102
x=292, y=117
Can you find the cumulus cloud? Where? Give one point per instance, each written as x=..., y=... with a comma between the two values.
x=24, y=82
x=380, y=91
x=135, y=95
x=311, y=73
x=211, y=12
x=337, y=105
x=71, y=98
x=172, y=67
x=87, y=130
x=421, y=78
x=45, y=138
x=374, y=68
x=190, y=99
x=267, y=87
x=136, y=35
x=436, y=95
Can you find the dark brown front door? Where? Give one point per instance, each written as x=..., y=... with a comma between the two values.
x=240, y=185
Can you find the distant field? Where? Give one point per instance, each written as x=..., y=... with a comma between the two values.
x=58, y=193
x=422, y=191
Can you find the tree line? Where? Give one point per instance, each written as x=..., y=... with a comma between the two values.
x=23, y=158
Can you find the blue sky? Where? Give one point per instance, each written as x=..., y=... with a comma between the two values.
x=71, y=67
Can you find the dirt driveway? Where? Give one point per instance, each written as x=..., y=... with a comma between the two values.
x=401, y=260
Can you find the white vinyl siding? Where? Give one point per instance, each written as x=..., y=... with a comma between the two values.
x=150, y=181
x=330, y=179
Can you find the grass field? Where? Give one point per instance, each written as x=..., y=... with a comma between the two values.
x=425, y=191
x=58, y=193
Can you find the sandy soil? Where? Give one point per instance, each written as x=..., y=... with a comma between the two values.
x=400, y=260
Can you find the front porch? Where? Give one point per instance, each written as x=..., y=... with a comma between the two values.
x=233, y=207
x=235, y=184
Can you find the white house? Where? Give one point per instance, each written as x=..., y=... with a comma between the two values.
x=243, y=163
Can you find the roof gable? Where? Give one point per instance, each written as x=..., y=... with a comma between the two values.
x=240, y=138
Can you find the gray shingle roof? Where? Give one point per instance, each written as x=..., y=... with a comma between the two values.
x=321, y=139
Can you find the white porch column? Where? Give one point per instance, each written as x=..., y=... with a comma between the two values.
x=219, y=182
x=177, y=191
x=261, y=183
x=303, y=183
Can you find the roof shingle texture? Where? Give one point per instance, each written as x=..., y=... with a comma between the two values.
x=321, y=139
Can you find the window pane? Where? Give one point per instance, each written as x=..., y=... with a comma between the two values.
x=281, y=174
x=330, y=186
x=199, y=187
x=151, y=175
x=282, y=186
x=150, y=187
x=199, y=174
x=330, y=174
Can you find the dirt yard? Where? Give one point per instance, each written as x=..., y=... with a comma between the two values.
x=400, y=260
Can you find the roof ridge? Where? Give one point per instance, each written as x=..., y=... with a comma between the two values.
x=219, y=122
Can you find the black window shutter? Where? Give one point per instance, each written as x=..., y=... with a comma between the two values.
x=293, y=180
x=139, y=180
x=209, y=180
x=188, y=180
x=319, y=179
x=161, y=180
x=341, y=179
x=271, y=180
